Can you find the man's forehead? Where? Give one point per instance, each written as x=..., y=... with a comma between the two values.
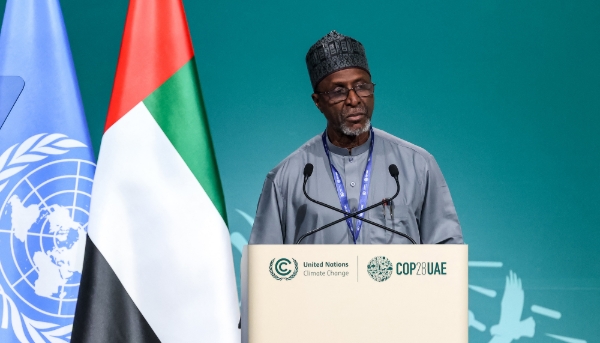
x=349, y=75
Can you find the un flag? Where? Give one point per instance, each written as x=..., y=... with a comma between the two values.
x=46, y=175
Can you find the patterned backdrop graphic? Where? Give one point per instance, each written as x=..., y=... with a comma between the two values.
x=511, y=324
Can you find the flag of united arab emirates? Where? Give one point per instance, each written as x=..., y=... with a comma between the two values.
x=158, y=264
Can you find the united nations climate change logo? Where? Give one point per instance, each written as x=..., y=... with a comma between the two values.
x=281, y=270
x=380, y=268
x=43, y=227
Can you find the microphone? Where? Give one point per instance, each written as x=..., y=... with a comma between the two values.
x=308, y=169
x=393, y=169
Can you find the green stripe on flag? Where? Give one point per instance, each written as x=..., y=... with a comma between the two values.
x=178, y=108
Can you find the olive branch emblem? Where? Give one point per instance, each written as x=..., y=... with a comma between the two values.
x=33, y=149
x=12, y=161
x=282, y=273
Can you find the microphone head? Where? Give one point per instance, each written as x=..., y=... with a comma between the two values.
x=308, y=169
x=394, y=171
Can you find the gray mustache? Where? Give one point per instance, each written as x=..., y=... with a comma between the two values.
x=354, y=111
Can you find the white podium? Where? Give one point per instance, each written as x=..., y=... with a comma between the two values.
x=355, y=293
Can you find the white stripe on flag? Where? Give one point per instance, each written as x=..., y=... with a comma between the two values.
x=162, y=235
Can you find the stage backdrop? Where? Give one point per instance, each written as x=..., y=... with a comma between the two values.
x=504, y=93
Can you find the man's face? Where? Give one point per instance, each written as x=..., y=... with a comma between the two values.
x=353, y=115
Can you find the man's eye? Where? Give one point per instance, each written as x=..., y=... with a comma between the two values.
x=360, y=86
x=338, y=90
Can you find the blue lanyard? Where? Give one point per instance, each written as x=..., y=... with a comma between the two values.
x=341, y=191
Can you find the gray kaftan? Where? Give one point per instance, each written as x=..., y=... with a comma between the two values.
x=423, y=209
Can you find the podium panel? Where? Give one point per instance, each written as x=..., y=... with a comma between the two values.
x=355, y=293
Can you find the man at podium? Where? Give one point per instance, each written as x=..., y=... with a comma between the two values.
x=352, y=166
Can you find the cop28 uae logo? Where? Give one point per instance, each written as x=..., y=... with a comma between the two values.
x=380, y=268
x=282, y=269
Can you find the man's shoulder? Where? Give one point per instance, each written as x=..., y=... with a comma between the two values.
x=293, y=165
x=403, y=146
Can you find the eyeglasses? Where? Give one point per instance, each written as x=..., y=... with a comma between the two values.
x=339, y=94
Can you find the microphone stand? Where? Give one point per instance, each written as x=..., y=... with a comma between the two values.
x=354, y=214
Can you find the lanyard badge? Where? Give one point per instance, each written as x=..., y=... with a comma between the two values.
x=341, y=190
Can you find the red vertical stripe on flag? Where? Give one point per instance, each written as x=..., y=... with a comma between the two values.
x=156, y=43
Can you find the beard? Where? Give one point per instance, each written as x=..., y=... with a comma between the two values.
x=349, y=131
x=358, y=131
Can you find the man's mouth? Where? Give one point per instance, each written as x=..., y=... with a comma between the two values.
x=354, y=117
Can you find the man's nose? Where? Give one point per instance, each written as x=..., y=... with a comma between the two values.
x=352, y=99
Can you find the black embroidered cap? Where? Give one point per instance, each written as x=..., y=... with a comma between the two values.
x=332, y=53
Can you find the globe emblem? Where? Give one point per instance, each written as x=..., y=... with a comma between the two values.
x=380, y=268
x=43, y=225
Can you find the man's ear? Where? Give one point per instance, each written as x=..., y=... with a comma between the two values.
x=316, y=99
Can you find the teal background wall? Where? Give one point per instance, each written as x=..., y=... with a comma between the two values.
x=505, y=94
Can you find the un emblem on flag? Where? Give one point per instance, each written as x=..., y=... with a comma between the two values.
x=43, y=227
x=380, y=268
x=282, y=269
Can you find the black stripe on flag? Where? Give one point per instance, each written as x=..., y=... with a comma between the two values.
x=105, y=312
